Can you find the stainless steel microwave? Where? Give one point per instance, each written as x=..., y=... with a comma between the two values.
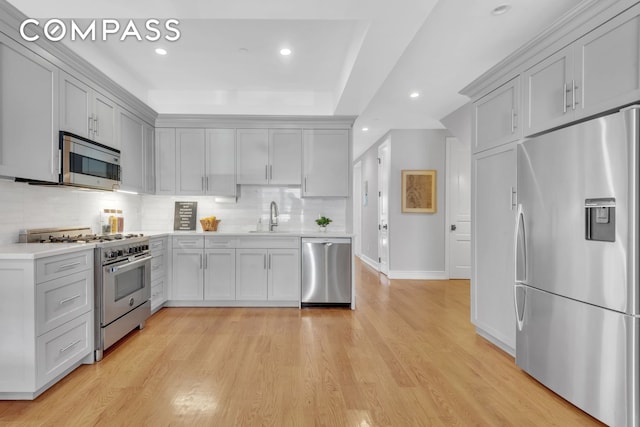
x=85, y=163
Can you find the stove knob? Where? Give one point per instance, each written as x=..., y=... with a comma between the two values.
x=146, y=247
x=130, y=250
x=120, y=252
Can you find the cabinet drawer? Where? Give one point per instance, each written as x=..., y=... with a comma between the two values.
x=62, y=347
x=220, y=242
x=53, y=267
x=157, y=245
x=60, y=300
x=188, y=242
x=268, y=242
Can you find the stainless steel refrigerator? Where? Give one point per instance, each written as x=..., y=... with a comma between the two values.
x=576, y=286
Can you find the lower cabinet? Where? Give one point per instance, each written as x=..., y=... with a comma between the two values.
x=220, y=274
x=159, y=247
x=47, y=320
x=494, y=212
x=235, y=271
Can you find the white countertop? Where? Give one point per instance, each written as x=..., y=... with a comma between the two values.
x=40, y=250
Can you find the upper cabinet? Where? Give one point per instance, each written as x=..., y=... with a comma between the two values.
x=285, y=156
x=495, y=117
x=86, y=112
x=137, y=151
x=28, y=114
x=205, y=161
x=598, y=72
x=165, y=147
x=269, y=156
x=326, y=160
x=220, y=165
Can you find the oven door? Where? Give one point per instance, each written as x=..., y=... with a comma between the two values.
x=125, y=285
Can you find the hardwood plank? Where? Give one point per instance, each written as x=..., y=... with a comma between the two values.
x=408, y=356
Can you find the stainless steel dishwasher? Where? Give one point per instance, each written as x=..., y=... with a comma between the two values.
x=326, y=272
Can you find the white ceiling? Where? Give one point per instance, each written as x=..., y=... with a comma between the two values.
x=350, y=57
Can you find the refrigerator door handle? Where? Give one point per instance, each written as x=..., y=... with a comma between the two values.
x=520, y=246
x=519, y=304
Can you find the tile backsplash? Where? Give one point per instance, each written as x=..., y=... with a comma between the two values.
x=296, y=213
x=29, y=206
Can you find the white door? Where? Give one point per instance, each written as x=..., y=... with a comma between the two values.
x=220, y=153
x=459, y=177
x=357, y=207
x=285, y=156
x=251, y=274
x=384, y=156
x=190, y=161
x=220, y=274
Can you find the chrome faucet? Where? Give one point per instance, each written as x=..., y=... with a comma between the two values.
x=273, y=216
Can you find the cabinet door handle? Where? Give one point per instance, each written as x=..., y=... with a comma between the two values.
x=265, y=261
x=206, y=263
x=269, y=261
x=305, y=184
x=513, y=120
x=513, y=198
x=67, y=266
x=266, y=172
x=200, y=261
x=270, y=171
x=66, y=300
x=73, y=344
x=573, y=93
x=207, y=183
x=90, y=124
x=96, y=126
x=564, y=98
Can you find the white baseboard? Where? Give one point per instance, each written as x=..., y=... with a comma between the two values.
x=371, y=263
x=497, y=342
x=418, y=275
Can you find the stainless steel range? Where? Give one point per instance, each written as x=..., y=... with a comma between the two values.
x=122, y=279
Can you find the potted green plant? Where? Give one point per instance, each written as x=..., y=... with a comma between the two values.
x=323, y=222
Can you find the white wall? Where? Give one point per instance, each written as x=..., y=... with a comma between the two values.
x=459, y=123
x=417, y=241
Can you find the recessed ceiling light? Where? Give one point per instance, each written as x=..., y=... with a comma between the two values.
x=501, y=10
x=285, y=51
x=161, y=51
x=243, y=50
x=414, y=94
x=365, y=129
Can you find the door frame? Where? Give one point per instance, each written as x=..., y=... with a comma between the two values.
x=357, y=207
x=382, y=168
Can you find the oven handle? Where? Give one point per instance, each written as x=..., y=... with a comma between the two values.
x=128, y=266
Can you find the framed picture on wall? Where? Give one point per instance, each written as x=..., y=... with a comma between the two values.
x=419, y=191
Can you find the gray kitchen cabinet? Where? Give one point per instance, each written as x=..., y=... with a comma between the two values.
x=220, y=167
x=47, y=321
x=159, y=248
x=132, y=145
x=269, y=156
x=220, y=274
x=187, y=282
x=86, y=112
x=496, y=118
x=190, y=161
x=285, y=156
x=283, y=275
x=596, y=73
x=494, y=212
x=251, y=274
x=253, y=156
x=205, y=162
x=149, y=156
x=165, y=161
x=28, y=114
x=326, y=160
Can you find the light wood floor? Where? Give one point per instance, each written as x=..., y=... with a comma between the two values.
x=408, y=356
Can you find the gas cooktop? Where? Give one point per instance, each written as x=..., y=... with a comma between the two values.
x=70, y=235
